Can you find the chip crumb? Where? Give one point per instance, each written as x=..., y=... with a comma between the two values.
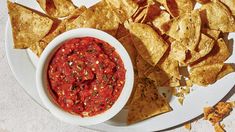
x=218, y=112
x=219, y=128
x=181, y=100
x=188, y=126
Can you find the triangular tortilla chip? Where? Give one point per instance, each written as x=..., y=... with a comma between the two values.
x=206, y=74
x=179, y=7
x=99, y=16
x=218, y=54
x=217, y=16
x=124, y=9
x=57, y=8
x=186, y=29
x=204, y=47
x=148, y=43
x=28, y=26
x=227, y=69
x=146, y=103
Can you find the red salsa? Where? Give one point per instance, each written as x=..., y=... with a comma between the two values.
x=86, y=76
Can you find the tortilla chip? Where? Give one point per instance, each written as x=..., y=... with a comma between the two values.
x=98, y=16
x=142, y=66
x=211, y=33
x=186, y=29
x=179, y=7
x=230, y=4
x=124, y=9
x=28, y=26
x=204, y=47
x=57, y=8
x=218, y=54
x=205, y=75
x=161, y=20
x=221, y=20
x=227, y=69
x=129, y=46
x=147, y=102
x=148, y=43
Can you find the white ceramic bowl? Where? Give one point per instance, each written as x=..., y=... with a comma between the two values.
x=42, y=82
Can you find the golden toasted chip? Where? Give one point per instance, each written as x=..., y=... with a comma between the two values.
x=178, y=50
x=204, y=47
x=227, y=69
x=124, y=9
x=142, y=66
x=28, y=26
x=230, y=4
x=57, y=8
x=148, y=43
x=147, y=102
x=219, y=128
x=219, y=54
x=160, y=20
x=211, y=33
x=99, y=16
x=218, y=112
x=129, y=46
x=179, y=7
x=217, y=16
x=186, y=29
x=205, y=75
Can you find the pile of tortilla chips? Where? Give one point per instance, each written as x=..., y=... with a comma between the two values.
x=162, y=37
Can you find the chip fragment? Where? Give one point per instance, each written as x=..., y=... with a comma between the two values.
x=218, y=112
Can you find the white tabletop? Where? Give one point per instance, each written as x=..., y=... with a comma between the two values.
x=19, y=113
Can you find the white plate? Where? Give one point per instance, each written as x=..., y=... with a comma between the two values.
x=23, y=64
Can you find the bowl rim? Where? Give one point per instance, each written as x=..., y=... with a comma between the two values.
x=45, y=95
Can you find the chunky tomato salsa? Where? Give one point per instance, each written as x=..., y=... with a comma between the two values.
x=86, y=76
